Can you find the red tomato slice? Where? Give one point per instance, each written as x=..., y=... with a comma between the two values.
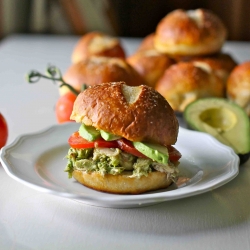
x=76, y=141
x=128, y=147
x=64, y=107
x=101, y=143
x=174, y=154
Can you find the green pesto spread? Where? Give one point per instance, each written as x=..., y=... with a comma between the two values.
x=114, y=161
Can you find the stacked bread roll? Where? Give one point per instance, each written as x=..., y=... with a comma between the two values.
x=99, y=58
x=97, y=44
x=98, y=69
x=182, y=59
x=191, y=41
x=238, y=86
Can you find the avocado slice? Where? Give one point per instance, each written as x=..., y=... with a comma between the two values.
x=89, y=133
x=155, y=152
x=224, y=120
x=108, y=136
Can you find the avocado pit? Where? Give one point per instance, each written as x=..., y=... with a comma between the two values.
x=221, y=119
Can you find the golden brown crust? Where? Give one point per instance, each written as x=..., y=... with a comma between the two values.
x=222, y=64
x=122, y=183
x=238, y=86
x=147, y=43
x=96, y=70
x=150, y=64
x=99, y=44
x=185, y=82
x=147, y=117
x=196, y=32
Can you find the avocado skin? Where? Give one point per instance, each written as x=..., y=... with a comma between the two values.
x=244, y=158
x=89, y=133
x=155, y=152
x=236, y=132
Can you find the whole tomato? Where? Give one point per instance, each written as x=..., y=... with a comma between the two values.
x=3, y=131
x=64, y=107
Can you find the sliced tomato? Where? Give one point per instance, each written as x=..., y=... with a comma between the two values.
x=128, y=147
x=76, y=141
x=174, y=154
x=101, y=143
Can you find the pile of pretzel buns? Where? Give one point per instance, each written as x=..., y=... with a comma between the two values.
x=183, y=60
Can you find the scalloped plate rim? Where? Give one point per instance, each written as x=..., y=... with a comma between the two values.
x=121, y=201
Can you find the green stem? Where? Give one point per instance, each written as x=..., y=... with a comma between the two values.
x=54, y=74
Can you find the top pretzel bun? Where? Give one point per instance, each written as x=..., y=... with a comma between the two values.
x=189, y=33
x=98, y=44
x=135, y=113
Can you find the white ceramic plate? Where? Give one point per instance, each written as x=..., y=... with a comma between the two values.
x=37, y=160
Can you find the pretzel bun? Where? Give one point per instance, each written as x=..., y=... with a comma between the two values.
x=99, y=44
x=238, y=86
x=185, y=82
x=122, y=183
x=188, y=33
x=135, y=113
x=222, y=64
x=150, y=64
x=96, y=69
x=147, y=43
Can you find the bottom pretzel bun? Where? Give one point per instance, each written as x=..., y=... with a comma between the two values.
x=96, y=70
x=122, y=183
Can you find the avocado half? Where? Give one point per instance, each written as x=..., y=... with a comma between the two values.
x=224, y=120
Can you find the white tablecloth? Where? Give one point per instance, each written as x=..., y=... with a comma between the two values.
x=219, y=219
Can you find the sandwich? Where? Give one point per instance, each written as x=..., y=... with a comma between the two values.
x=125, y=140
